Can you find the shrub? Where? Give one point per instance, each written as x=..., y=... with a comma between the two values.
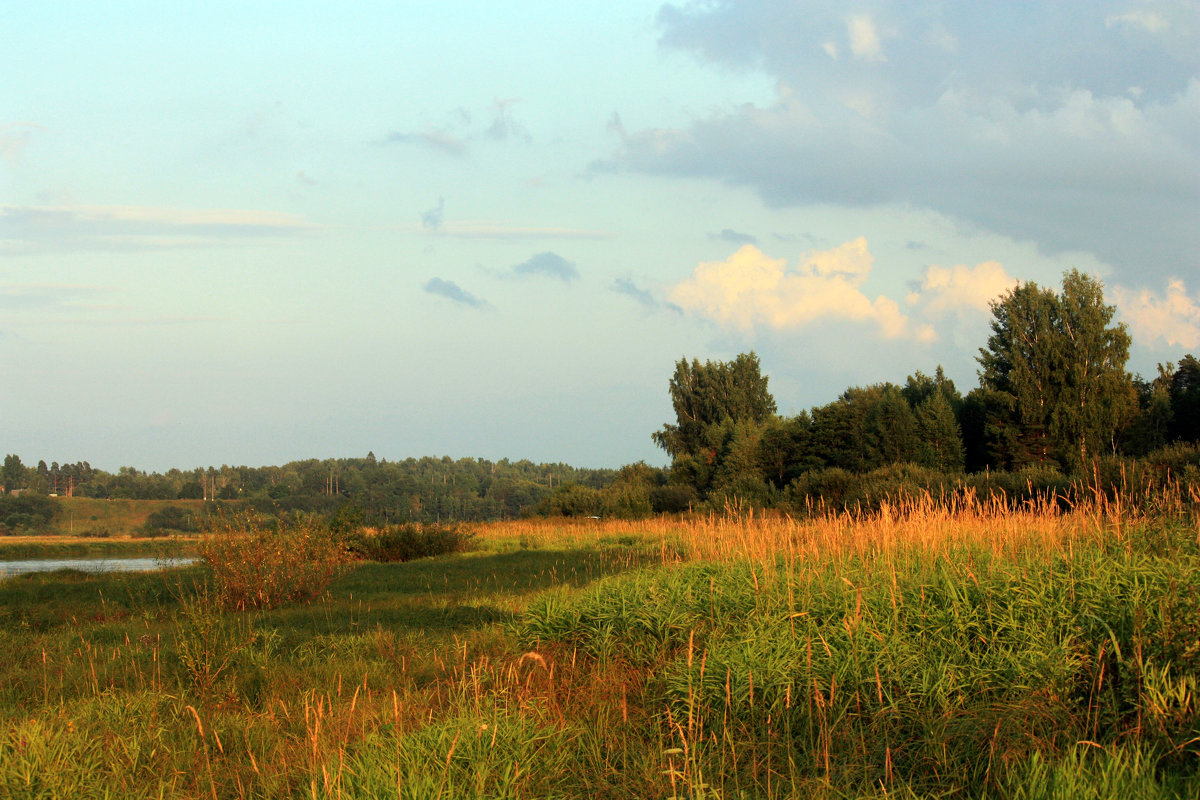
x=18, y=520
x=171, y=518
x=26, y=512
x=748, y=491
x=407, y=542
x=256, y=564
x=625, y=501
x=833, y=487
x=673, y=499
x=571, y=500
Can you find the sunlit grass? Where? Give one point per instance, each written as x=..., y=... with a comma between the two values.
x=925, y=650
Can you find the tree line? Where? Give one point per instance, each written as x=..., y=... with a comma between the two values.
x=1054, y=403
x=411, y=490
x=1053, y=399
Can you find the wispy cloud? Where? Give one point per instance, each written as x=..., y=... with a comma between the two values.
x=750, y=289
x=14, y=137
x=32, y=228
x=864, y=38
x=482, y=229
x=438, y=140
x=627, y=287
x=41, y=296
x=504, y=126
x=547, y=264
x=431, y=220
x=733, y=237
x=1149, y=21
x=455, y=135
x=452, y=291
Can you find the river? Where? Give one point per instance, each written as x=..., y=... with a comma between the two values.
x=119, y=564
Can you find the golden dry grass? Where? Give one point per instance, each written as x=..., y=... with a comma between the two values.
x=926, y=523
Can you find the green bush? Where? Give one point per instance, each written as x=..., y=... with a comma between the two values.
x=408, y=542
x=747, y=491
x=26, y=512
x=673, y=499
x=572, y=500
x=171, y=518
x=840, y=490
x=833, y=488
x=17, y=521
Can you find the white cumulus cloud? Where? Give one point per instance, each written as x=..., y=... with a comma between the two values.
x=1173, y=317
x=751, y=289
x=961, y=287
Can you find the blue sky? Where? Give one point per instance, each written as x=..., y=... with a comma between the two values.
x=253, y=232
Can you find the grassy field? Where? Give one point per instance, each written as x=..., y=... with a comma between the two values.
x=919, y=652
x=15, y=548
x=91, y=528
x=92, y=518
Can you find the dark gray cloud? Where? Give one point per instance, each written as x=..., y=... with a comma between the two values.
x=925, y=48
x=627, y=287
x=548, y=264
x=1073, y=126
x=733, y=237
x=452, y=291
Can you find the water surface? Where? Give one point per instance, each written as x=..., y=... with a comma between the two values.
x=119, y=564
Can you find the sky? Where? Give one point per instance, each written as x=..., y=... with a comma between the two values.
x=253, y=232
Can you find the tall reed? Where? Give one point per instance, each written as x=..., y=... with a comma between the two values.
x=256, y=563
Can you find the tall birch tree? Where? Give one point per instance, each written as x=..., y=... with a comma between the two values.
x=1059, y=362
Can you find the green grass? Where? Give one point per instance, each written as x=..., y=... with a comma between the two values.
x=598, y=670
x=54, y=547
x=90, y=517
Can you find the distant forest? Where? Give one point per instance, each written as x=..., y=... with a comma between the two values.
x=1054, y=413
x=415, y=489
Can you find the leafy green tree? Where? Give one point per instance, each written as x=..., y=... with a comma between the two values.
x=1185, y=401
x=786, y=449
x=1061, y=363
x=1020, y=363
x=713, y=401
x=706, y=394
x=866, y=428
x=738, y=462
x=12, y=475
x=1097, y=396
x=1149, y=429
x=838, y=433
x=990, y=430
x=940, y=438
x=891, y=434
x=920, y=387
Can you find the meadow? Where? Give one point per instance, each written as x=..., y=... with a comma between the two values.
x=926, y=649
